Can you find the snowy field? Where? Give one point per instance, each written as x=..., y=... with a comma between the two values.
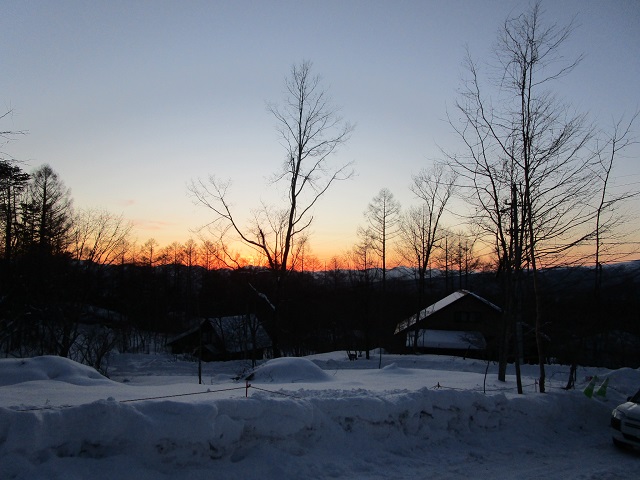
x=319, y=417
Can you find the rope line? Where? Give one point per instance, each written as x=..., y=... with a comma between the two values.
x=438, y=386
x=277, y=393
x=181, y=395
x=247, y=386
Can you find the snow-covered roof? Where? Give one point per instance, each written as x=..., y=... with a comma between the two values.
x=439, y=305
x=448, y=339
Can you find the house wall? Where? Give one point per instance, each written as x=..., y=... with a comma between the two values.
x=466, y=314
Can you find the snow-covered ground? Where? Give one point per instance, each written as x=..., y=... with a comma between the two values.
x=317, y=417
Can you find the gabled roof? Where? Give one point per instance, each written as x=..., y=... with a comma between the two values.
x=439, y=305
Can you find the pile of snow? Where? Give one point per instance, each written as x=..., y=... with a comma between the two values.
x=417, y=417
x=19, y=370
x=288, y=370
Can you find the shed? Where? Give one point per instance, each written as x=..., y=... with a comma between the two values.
x=224, y=338
x=460, y=323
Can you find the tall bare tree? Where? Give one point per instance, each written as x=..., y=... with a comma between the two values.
x=190, y=256
x=463, y=258
x=173, y=253
x=383, y=225
x=149, y=252
x=607, y=218
x=311, y=129
x=420, y=228
x=363, y=260
x=528, y=163
x=207, y=256
x=383, y=222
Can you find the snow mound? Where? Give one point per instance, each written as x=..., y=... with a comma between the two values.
x=49, y=367
x=289, y=370
x=395, y=369
x=623, y=382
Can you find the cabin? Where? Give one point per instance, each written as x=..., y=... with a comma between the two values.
x=224, y=338
x=462, y=324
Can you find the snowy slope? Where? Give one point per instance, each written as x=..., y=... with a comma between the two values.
x=316, y=417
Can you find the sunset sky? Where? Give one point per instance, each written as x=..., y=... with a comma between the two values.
x=130, y=100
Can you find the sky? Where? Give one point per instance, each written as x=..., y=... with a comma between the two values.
x=131, y=100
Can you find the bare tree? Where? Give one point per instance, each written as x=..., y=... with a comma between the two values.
x=7, y=135
x=362, y=273
x=383, y=224
x=190, y=253
x=149, y=252
x=99, y=236
x=311, y=130
x=93, y=346
x=207, y=255
x=174, y=253
x=219, y=254
x=607, y=218
x=420, y=225
x=383, y=220
x=527, y=159
x=190, y=257
x=305, y=260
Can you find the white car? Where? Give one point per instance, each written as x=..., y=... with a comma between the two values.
x=625, y=423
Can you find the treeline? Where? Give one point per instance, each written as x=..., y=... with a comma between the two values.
x=74, y=284
x=75, y=291
x=55, y=275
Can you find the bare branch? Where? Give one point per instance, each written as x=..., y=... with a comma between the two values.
x=310, y=131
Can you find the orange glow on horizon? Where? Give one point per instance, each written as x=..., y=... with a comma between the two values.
x=325, y=253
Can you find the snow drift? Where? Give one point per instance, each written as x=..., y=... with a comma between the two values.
x=291, y=433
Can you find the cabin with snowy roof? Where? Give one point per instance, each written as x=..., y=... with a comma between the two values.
x=224, y=338
x=462, y=323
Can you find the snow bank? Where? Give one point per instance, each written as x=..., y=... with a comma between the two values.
x=48, y=367
x=323, y=429
x=188, y=433
x=289, y=370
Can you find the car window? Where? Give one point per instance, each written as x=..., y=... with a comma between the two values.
x=636, y=397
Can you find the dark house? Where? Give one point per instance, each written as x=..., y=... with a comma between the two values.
x=224, y=338
x=462, y=323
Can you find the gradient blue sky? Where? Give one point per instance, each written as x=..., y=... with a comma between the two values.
x=130, y=100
